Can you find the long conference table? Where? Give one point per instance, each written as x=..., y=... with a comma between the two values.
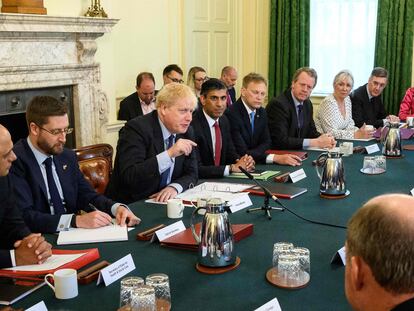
x=246, y=287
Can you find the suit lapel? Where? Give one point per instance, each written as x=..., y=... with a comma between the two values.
x=158, y=138
x=35, y=168
x=207, y=133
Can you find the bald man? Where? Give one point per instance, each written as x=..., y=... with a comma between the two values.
x=17, y=245
x=379, y=273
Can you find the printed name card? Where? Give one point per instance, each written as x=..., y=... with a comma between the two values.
x=272, y=305
x=297, y=175
x=240, y=202
x=170, y=230
x=339, y=257
x=40, y=306
x=116, y=271
x=412, y=192
x=372, y=148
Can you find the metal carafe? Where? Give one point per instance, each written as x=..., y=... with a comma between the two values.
x=332, y=176
x=215, y=243
x=391, y=140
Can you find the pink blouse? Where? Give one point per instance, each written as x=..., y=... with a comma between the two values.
x=407, y=105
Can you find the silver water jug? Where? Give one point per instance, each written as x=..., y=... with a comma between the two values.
x=391, y=140
x=215, y=243
x=331, y=172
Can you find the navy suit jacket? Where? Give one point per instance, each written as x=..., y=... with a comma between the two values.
x=130, y=107
x=12, y=226
x=232, y=93
x=241, y=131
x=366, y=111
x=136, y=175
x=205, y=155
x=31, y=194
x=283, y=122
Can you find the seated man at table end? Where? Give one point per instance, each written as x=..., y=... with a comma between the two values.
x=51, y=187
x=379, y=255
x=155, y=153
x=17, y=245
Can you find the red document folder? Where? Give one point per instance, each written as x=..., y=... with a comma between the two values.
x=301, y=154
x=89, y=255
x=185, y=239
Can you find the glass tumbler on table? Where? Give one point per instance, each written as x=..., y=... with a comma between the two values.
x=127, y=285
x=161, y=284
x=143, y=298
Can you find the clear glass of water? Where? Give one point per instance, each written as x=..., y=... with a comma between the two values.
x=369, y=165
x=288, y=267
x=304, y=262
x=143, y=298
x=127, y=285
x=279, y=248
x=161, y=284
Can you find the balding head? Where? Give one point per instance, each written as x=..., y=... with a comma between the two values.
x=229, y=76
x=7, y=155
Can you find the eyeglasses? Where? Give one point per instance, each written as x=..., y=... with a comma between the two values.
x=57, y=132
x=175, y=80
x=202, y=79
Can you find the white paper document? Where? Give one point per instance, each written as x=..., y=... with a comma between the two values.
x=334, y=149
x=53, y=262
x=109, y=233
x=360, y=139
x=214, y=187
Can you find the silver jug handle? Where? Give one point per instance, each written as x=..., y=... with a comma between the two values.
x=320, y=162
x=196, y=237
x=384, y=132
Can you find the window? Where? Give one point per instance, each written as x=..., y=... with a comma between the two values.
x=342, y=36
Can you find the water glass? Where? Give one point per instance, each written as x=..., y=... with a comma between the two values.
x=369, y=165
x=143, y=298
x=381, y=163
x=279, y=248
x=304, y=262
x=127, y=285
x=288, y=267
x=161, y=284
x=347, y=148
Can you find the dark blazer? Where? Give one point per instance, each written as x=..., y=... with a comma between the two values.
x=205, y=155
x=232, y=93
x=283, y=122
x=241, y=131
x=366, y=111
x=12, y=226
x=130, y=107
x=136, y=174
x=31, y=194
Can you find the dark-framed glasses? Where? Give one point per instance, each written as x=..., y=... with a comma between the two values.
x=175, y=80
x=57, y=132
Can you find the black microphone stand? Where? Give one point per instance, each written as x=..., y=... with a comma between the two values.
x=267, y=195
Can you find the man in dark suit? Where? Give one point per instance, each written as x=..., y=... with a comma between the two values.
x=155, y=155
x=367, y=106
x=17, y=245
x=52, y=189
x=229, y=77
x=248, y=120
x=290, y=115
x=216, y=154
x=379, y=255
x=140, y=102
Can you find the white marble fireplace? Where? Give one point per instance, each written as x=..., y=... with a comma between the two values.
x=38, y=51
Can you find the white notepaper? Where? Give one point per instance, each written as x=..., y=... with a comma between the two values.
x=40, y=306
x=108, y=233
x=53, y=262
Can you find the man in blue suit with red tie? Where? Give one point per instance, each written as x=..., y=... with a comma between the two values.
x=51, y=187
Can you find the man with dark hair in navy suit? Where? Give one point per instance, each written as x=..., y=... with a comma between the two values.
x=17, y=245
x=52, y=189
x=248, y=121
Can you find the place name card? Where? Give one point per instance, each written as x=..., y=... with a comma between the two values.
x=170, y=230
x=40, y=306
x=372, y=148
x=116, y=270
x=272, y=305
x=412, y=192
x=297, y=175
x=339, y=257
x=240, y=202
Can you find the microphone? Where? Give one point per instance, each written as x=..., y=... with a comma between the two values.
x=266, y=191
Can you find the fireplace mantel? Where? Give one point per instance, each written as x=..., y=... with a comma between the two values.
x=42, y=51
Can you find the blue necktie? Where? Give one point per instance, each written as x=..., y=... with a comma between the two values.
x=55, y=199
x=166, y=173
x=252, y=120
x=300, y=116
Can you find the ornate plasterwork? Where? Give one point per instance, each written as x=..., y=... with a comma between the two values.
x=39, y=51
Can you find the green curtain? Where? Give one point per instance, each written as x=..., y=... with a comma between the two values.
x=289, y=42
x=394, y=48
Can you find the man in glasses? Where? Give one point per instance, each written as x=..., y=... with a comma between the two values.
x=172, y=73
x=367, y=105
x=140, y=102
x=51, y=189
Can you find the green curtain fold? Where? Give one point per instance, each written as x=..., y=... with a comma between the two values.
x=289, y=41
x=394, y=48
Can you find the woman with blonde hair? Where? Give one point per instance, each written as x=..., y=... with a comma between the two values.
x=196, y=77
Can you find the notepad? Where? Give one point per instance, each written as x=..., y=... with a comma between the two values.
x=11, y=292
x=109, y=233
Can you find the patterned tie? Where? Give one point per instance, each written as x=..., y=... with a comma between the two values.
x=300, y=116
x=229, y=101
x=252, y=120
x=217, y=154
x=55, y=199
x=166, y=173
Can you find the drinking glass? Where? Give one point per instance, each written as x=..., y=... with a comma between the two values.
x=161, y=284
x=304, y=262
x=143, y=298
x=369, y=165
x=279, y=248
x=381, y=163
x=127, y=285
x=288, y=267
